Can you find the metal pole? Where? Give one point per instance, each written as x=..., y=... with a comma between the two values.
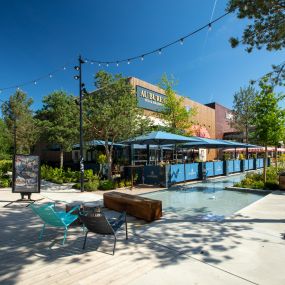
x=81, y=125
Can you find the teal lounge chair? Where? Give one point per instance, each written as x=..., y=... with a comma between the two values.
x=54, y=218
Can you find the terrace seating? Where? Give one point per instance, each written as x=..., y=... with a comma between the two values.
x=137, y=206
x=54, y=218
x=97, y=223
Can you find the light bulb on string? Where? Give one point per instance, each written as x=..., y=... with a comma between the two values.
x=99, y=64
x=50, y=76
x=107, y=64
x=117, y=64
x=142, y=57
x=91, y=62
x=64, y=68
x=159, y=51
x=210, y=26
x=182, y=41
x=35, y=82
x=129, y=61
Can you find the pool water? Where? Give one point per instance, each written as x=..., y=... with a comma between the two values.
x=208, y=200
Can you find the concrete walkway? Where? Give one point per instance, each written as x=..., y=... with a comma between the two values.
x=246, y=248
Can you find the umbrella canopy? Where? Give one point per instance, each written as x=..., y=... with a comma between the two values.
x=160, y=138
x=211, y=143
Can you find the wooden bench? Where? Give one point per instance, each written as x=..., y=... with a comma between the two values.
x=137, y=206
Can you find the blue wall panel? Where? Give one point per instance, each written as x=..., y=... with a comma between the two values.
x=237, y=166
x=209, y=169
x=218, y=168
x=230, y=166
x=250, y=164
x=246, y=164
x=192, y=171
x=176, y=173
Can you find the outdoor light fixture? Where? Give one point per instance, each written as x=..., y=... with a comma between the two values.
x=50, y=76
x=99, y=64
x=210, y=26
x=129, y=61
x=117, y=64
x=181, y=41
x=107, y=64
x=159, y=51
x=81, y=90
x=142, y=58
x=35, y=82
x=64, y=68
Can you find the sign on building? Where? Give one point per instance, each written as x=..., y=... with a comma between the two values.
x=150, y=100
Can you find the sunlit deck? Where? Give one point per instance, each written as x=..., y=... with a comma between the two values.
x=245, y=249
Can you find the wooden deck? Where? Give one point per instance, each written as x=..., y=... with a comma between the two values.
x=244, y=249
x=25, y=260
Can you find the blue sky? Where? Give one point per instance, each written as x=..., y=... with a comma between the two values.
x=40, y=36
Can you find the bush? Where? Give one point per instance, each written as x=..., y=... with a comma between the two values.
x=271, y=185
x=88, y=186
x=106, y=185
x=5, y=182
x=5, y=166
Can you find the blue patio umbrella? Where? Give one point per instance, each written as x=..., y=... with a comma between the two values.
x=216, y=143
x=160, y=138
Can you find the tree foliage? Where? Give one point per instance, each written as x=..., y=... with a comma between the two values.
x=19, y=119
x=243, y=116
x=5, y=141
x=111, y=112
x=269, y=117
x=268, y=27
x=177, y=118
x=59, y=118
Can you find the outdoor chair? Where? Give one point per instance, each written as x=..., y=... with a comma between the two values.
x=98, y=223
x=51, y=217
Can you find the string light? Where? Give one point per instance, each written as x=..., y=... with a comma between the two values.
x=50, y=76
x=107, y=64
x=92, y=62
x=181, y=41
x=99, y=64
x=142, y=58
x=210, y=27
x=117, y=64
x=159, y=51
x=64, y=68
x=129, y=61
x=35, y=82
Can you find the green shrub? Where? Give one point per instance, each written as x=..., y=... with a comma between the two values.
x=271, y=185
x=5, y=166
x=5, y=182
x=128, y=183
x=106, y=185
x=88, y=186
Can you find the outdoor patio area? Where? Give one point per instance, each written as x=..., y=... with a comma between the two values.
x=245, y=249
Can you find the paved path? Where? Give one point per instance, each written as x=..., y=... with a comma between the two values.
x=244, y=249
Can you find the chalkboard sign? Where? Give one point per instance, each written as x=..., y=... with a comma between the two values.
x=26, y=174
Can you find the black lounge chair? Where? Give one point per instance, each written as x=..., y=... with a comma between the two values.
x=97, y=223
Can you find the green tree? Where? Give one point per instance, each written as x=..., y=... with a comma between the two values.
x=19, y=119
x=177, y=118
x=59, y=118
x=5, y=141
x=266, y=28
x=269, y=118
x=111, y=112
x=243, y=116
